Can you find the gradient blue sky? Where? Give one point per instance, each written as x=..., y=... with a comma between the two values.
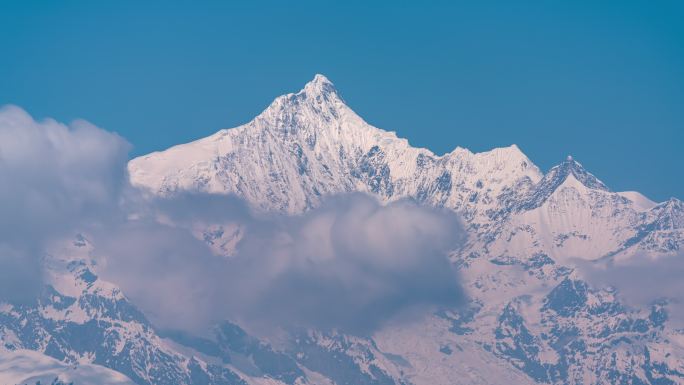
x=601, y=80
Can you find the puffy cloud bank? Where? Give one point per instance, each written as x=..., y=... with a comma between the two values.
x=54, y=179
x=351, y=264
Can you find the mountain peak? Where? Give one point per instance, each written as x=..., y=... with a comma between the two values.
x=556, y=177
x=672, y=204
x=318, y=102
x=570, y=166
x=319, y=86
x=321, y=79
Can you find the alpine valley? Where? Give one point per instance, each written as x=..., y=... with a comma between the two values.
x=532, y=317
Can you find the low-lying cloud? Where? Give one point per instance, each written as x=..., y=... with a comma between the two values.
x=642, y=280
x=350, y=264
x=54, y=179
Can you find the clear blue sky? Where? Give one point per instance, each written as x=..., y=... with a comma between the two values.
x=601, y=80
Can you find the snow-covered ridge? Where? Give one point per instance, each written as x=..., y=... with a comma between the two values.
x=309, y=144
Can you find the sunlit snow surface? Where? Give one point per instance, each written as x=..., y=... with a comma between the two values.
x=30, y=367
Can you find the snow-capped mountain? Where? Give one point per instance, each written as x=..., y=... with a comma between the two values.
x=309, y=144
x=531, y=316
x=525, y=228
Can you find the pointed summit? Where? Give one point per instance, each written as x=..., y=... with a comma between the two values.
x=556, y=177
x=319, y=86
x=570, y=166
x=318, y=101
x=320, y=79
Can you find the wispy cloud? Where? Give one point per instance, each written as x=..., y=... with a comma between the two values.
x=642, y=280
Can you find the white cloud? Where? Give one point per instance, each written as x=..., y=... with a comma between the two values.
x=53, y=178
x=351, y=264
x=642, y=280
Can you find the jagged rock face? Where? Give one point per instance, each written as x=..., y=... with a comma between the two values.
x=587, y=336
x=531, y=318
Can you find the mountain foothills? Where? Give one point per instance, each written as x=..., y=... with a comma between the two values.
x=531, y=317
